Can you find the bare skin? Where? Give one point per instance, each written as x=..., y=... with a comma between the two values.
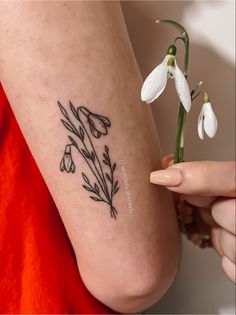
x=80, y=51
x=213, y=191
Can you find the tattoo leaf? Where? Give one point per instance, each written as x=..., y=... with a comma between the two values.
x=81, y=132
x=88, y=188
x=69, y=126
x=73, y=141
x=106, y=149
x=105, y=162
x=113, y=167
x=115, y=190
x=92, y=156
x=86, y=154
x=105, y=156
x=73, y=110
x=62, y=109
x=108, y=177
x=96, y=188
x=95, y=198
x=85, y=178
x=115, y=185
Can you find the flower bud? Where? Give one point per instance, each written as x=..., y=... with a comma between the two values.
x=206, y=98
x=172, y=50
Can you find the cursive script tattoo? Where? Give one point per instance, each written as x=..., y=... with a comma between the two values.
x=85, y=126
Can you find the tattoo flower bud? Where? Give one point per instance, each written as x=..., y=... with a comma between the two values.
x=67, y=162
x=156, y=81
x=98, y=124
x=207, y=120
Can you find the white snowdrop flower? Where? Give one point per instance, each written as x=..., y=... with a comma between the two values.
x=156, y=81
x=207, y=120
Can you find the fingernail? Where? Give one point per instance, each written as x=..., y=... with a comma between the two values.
x=169, y=177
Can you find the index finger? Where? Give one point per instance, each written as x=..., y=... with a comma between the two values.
x=209, y=178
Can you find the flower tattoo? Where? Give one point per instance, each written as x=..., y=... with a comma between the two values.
x=85, y=126
x=67, y=163
x=98, y=124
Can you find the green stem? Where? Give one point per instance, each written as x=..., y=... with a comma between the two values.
x=179, y=144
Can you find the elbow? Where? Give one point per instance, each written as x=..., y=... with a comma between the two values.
x=143, y=292
x=133, y=294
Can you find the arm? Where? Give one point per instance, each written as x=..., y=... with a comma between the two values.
x=80, y=51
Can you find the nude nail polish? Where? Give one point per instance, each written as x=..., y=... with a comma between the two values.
x=170, y=177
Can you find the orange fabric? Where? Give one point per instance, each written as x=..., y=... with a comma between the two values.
x=38, y=272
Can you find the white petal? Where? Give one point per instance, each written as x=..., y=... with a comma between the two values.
x=182, y=88
x=210, y=121
x=200, y=125
x=155, y=83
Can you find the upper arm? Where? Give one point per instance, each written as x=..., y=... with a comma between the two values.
x=80, y=51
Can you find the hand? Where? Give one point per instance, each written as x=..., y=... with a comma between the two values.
x=209, y=186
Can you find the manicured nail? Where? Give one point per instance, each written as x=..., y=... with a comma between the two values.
x=170, y=177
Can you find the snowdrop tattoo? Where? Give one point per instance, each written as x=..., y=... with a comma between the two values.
x=67, y=164
x=85, y=128
x=155, y=84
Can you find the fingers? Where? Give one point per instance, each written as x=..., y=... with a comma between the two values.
x=229, y=268
x=223, y=212
x=199, y=200
x=215, y=238
x=209, y=178
x=196, y=200
x=227, y=242
x=206, y=216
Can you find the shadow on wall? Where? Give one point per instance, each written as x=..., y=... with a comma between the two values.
x=201, y=286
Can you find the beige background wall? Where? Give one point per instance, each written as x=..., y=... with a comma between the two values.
x=201, y=286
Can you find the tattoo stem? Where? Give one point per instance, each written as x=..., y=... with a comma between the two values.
x=92, y=171
x=100, y=166
x=101, y=184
